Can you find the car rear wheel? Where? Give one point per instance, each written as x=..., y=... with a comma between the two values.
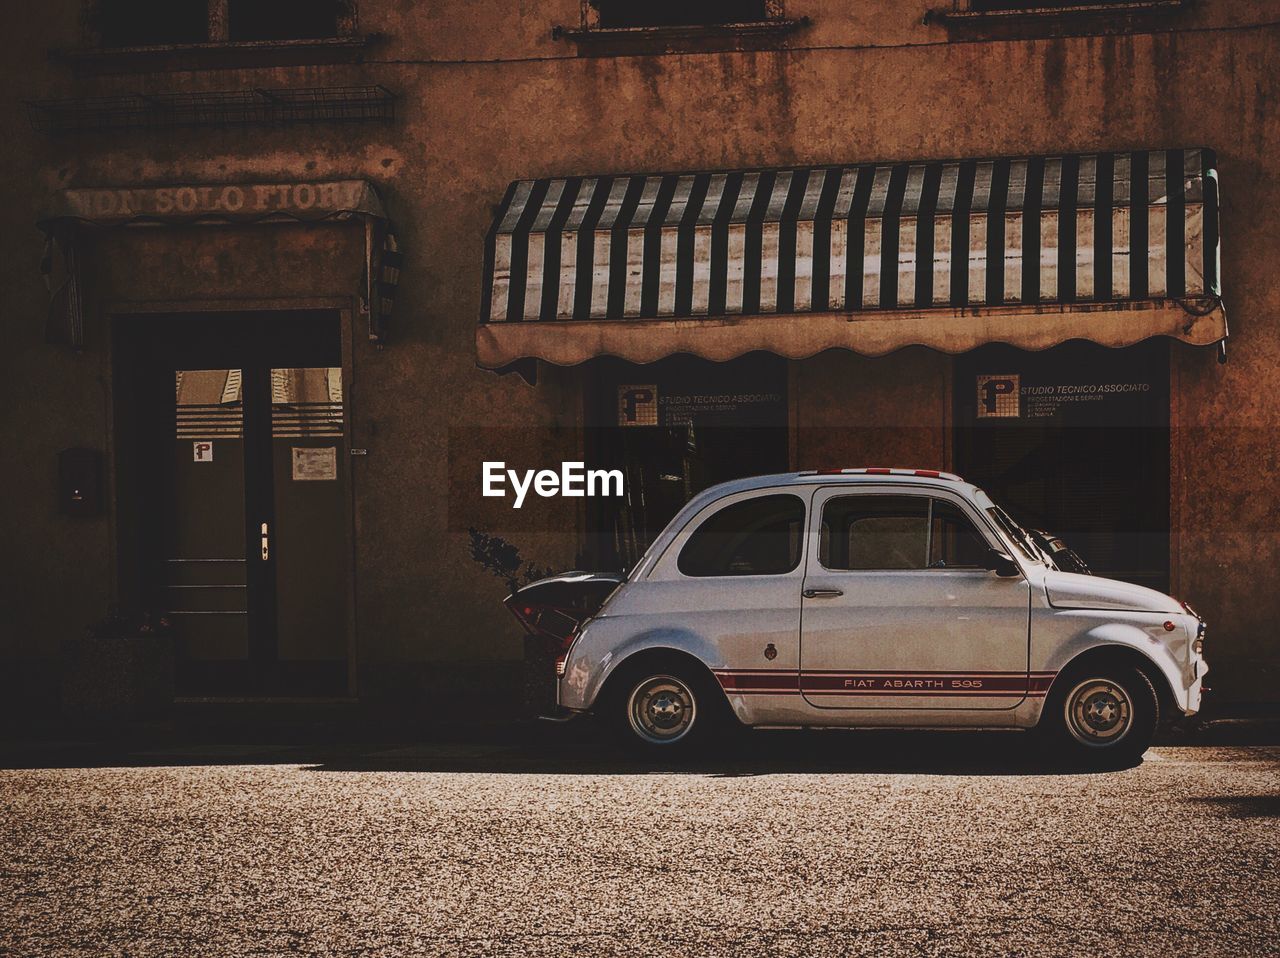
x=664, y=710
x=1107, y=716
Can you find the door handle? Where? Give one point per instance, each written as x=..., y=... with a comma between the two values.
x=822, y=593
x=266, y=543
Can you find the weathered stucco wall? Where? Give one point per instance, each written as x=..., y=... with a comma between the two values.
x=1226, y=455
x=486, y=96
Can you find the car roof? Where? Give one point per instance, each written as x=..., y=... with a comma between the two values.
x=866, y=475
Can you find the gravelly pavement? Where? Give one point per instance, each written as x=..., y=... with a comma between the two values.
x=804, y=845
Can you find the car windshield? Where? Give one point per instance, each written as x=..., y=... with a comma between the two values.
x=1021, y=538
x=1061, y=556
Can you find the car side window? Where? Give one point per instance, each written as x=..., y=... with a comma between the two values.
x=759, y=536
x=954, y=542
x=875, y=532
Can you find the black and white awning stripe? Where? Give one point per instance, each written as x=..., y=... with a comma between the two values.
x=1049, y=229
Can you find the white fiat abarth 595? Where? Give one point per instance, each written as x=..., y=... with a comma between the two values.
x=873, y=598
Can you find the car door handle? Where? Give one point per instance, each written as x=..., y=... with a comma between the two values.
x=822, y=593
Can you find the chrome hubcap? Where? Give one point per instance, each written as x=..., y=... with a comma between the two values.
x=1098, y=712
x=661, y=709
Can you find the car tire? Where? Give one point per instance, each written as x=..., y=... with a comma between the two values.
x=666, y=710
x=1104, y=716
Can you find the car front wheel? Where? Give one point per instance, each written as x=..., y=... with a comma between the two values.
x=1104, y=716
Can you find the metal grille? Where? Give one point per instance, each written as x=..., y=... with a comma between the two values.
x=258, y=107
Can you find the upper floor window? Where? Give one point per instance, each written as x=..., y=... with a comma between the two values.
x=282, y=19
x=617, y=14
x=624, y=27
x=145, y=23
x=1028, y=19
x=985, y=6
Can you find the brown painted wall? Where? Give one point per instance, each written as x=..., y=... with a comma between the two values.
x=487, y=96
x=856, y=411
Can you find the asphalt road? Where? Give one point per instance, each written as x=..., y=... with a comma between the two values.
x=819, y=844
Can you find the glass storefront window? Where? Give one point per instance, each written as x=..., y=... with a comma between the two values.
x=674, y=428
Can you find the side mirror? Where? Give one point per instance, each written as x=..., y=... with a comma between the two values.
x=1001, y=564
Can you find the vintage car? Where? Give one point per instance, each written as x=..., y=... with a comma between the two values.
x=865, y=598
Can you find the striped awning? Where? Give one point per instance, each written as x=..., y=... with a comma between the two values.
x=1111, y=247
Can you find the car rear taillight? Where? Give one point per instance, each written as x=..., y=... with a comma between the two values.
x=556, y=627
x=562, y=660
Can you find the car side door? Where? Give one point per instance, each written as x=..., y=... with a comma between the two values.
x=899, y=611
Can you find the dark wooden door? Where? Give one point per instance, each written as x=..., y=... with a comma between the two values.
x=244, y=500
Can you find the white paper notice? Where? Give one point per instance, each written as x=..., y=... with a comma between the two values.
x=311, y=464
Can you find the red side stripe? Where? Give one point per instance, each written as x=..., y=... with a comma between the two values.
x=882, y=682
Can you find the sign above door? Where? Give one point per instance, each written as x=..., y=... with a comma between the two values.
x=71, y=211
x=228, y=202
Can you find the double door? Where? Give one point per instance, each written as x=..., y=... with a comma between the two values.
x=246, y=519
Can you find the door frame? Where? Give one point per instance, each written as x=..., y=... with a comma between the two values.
x=118, y=312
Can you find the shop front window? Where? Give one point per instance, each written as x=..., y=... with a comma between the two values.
x=1075, y=443
x=673, y=428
